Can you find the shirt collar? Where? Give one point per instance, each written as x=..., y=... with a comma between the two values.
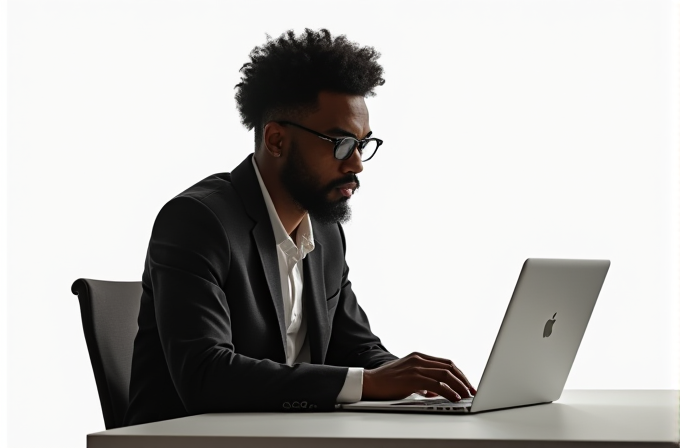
x=305, y=235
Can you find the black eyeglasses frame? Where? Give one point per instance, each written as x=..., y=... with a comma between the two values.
x=337, y=141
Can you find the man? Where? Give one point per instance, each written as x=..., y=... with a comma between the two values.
x=246, y=302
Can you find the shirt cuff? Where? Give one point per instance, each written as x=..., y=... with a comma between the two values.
x=354, y=384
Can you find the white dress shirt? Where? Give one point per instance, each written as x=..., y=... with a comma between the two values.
x=290, y=255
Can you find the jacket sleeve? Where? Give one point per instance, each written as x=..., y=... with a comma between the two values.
x=189, y=258
x=352, y=342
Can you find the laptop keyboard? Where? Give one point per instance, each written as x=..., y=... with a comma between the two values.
x=464, y=402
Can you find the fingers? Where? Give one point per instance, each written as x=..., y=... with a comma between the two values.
x=459, y=373
x=417, y=373
x=445, y=376
x=426, y=393
x=448, y=378
x=444, y=390
x=441, y=363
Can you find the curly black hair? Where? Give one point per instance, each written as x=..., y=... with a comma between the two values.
x=284, y=76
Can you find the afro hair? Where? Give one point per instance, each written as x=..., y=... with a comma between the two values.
x=284, y=76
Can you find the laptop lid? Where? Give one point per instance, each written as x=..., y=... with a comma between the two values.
x=541, y=332
x=537, y=342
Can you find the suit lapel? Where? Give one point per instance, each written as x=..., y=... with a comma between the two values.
x=246, y=185
x=318, y=330
x=266, y=247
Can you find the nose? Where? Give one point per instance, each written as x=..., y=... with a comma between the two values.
x=353, y=164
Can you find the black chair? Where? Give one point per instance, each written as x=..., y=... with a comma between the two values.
x=109, y=312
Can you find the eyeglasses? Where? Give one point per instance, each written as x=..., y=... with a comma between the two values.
x=345, y=146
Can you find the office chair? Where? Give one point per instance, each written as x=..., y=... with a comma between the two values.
x=109, y=313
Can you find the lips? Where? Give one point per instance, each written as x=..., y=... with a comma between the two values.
x=348, y=186
x=347, y=189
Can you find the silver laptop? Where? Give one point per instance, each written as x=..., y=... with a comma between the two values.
x=536, y=344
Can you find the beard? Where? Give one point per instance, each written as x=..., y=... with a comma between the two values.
x=306, y=190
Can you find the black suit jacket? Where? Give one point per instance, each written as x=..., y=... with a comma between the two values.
x=211, y=322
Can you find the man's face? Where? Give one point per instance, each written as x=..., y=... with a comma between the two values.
x=315, y=179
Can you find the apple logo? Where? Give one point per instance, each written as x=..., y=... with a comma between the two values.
x=547, y=331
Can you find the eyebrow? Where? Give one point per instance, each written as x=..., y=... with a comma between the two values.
x=346, y=133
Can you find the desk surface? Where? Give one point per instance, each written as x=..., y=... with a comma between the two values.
x=588, y=418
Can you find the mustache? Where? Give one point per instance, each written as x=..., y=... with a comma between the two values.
x=345, y=180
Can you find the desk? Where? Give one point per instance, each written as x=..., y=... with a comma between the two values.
x=589, y=418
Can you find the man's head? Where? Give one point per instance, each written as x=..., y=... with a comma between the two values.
x=294, y=85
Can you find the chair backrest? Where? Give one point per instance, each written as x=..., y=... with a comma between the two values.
x=109, y=313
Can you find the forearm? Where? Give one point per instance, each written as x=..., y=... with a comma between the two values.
x=225, y=381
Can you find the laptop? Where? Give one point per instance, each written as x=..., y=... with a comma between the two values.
x=536, y=345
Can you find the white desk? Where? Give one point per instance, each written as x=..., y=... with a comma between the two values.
x=581, y=419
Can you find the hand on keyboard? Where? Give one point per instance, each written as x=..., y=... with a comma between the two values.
x=416, y=372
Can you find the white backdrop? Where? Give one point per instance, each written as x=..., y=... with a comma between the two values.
x=512, y=129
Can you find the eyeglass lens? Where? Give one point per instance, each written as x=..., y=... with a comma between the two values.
x=346, y=147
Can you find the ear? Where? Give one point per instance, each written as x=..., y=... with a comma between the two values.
x=273, y=138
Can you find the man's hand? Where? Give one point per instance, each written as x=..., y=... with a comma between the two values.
x=416, y=373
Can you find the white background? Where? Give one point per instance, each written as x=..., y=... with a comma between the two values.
x=512, y=129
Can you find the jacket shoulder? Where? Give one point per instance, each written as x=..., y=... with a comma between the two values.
x=212, y=198
x=216, y=183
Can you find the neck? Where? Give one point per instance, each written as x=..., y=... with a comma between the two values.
x=289, y=212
